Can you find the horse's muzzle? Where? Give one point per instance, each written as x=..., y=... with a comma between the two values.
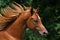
x=43, y=33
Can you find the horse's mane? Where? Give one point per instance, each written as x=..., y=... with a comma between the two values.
x=6, y=21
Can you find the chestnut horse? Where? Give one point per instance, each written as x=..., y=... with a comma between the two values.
x=16, y=30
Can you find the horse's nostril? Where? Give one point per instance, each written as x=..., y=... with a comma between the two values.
x=45, y=33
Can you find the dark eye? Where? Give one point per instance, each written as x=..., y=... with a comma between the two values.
x=35, y=20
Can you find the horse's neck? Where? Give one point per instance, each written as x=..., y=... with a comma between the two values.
x=6, y=36
x=18, y=27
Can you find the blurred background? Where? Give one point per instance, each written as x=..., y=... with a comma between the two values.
x=50, y=14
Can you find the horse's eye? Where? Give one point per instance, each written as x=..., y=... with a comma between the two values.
x=35, y=20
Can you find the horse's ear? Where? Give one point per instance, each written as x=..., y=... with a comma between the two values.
x=36, y=10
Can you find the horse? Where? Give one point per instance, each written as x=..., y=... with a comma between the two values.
x=16, y=30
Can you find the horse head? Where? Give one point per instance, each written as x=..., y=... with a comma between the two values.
x=34, y=22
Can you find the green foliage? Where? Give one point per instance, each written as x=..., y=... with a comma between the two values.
x=50, y=14
x=4, y=3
